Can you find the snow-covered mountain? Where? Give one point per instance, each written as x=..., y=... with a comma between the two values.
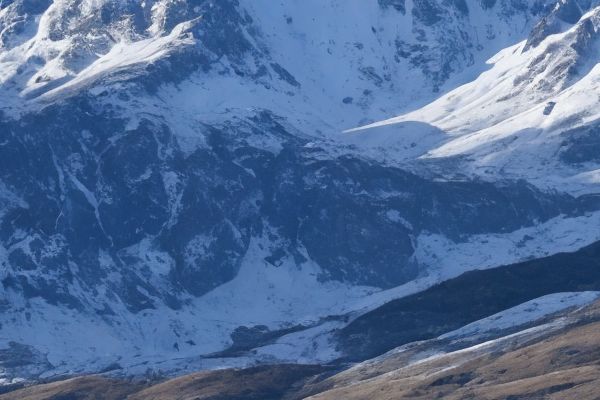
x=177, y=191
x=532, y=115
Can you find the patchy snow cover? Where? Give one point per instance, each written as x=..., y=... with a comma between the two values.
x=456, y=357
x=561, y=234
x=310, y=346
x=167, y=339
x=524, y=313
x=446, y=259
x=515, y=317
x=261, y=294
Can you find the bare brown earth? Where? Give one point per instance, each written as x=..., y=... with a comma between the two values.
x=556, y=360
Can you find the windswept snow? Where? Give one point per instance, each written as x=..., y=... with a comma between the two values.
x=524, y=313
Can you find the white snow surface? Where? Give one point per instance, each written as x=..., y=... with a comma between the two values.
x=497, y=123
x=522, y=314
x=335, y=50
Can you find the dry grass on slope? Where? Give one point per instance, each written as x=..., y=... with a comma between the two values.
x=258, y=383
x=272, y=382
x=81, y=388
x=562, y=365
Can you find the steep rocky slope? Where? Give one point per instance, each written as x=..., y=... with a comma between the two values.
x=555, y=360
x=445, y=307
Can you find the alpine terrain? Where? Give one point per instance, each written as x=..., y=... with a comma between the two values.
x=269, y=199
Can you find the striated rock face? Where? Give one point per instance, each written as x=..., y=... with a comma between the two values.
x=86, y=201
x=173, y=173
x=564, y=13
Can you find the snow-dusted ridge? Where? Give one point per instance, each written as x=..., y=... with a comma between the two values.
x=512, y=119
x=524, y=313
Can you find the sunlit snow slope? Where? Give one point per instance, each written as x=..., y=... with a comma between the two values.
x=533, y=114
